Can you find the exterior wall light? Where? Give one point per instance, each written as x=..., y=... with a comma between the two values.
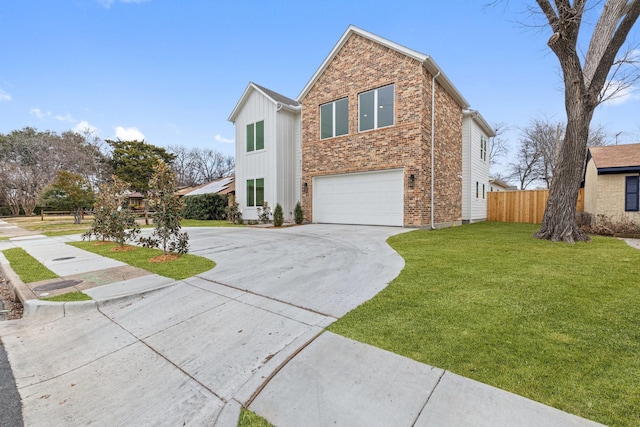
x=412, y=181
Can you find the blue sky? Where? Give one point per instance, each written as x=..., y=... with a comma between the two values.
x=172, y=71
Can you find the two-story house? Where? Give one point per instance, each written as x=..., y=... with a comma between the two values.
x=385, y=138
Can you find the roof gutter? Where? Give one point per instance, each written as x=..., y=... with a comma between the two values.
x=433, y=136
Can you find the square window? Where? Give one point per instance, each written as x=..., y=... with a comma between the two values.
x=255, y=192
x=255, y=136
x=334, y=118
x=376, y=108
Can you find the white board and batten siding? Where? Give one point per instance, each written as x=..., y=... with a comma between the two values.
x=367, y=198
x=475, y=169
x=275, y=163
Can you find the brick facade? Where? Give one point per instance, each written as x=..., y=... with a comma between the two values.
x=362, y=65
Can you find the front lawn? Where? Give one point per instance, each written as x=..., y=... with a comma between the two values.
x=184, y=266
x=556, y=323
x=27, y=267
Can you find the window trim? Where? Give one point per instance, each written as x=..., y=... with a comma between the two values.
x=254, y=193
x=375, y=108
x=334, y=109
x=254, y=136
x=634, y=194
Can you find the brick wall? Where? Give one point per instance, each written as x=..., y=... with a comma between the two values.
x=362, y=65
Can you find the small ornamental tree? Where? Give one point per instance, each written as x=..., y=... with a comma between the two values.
x=298, y=214
x=69, y=191
x=278, y=216
x=112, y=219
x=167, y=209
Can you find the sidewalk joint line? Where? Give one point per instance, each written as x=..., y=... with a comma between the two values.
x=428, y=398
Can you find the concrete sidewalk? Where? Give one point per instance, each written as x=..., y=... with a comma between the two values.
x=152, y=351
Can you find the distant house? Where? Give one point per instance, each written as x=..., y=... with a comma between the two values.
x=611, y=182
x=499, y=185
x=226, y=185
x=267, y=151
x=379, y=136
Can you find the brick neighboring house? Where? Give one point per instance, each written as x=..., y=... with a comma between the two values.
x=612, y=182
x=387, y=139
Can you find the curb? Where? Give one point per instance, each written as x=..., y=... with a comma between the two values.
x=33, y=306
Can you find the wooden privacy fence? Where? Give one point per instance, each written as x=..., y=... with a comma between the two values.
x=521, y=206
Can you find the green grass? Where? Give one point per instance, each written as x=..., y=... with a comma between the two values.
x=185, y=266
x=250, y=419
x=553, y=322
x=208, y=223
x=27, y=267
x=69, y=297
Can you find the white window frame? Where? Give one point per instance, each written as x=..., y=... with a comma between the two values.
x=333, y=118
x=375, y=110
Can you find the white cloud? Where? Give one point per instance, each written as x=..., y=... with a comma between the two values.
x=84, y=126
x=618, y=93
x=40, y=114
x=129, y=134
x=220, y=138
x=4, y=96
x=66, y=118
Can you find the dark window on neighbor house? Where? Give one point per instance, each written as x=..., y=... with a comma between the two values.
x=334, y=118
x=375, y=108
x=255, y=136
x=255, y=192
x=483, y=191
x=631, y=198
x=483, y=148
x=477, y=188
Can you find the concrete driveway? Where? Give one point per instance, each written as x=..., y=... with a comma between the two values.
x=330, y=269
x=190, y=352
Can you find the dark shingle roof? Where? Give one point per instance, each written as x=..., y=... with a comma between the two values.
x=277, y=97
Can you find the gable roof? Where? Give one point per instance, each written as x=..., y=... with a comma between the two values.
x=426, y=61
x=222, y=186
x=615, y=158
x=275, y=97
x=477, y=117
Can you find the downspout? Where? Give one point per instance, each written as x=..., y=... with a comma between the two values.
x=433, y=131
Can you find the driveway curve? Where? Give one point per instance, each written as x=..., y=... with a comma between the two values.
x=330, y=269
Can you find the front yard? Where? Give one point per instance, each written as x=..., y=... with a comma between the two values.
x=556, y=323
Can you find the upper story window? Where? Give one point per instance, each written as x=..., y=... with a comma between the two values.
x=376, y=108
x=334, y=118
x=255, y=136
x=483, y=148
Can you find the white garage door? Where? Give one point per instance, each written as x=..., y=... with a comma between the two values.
x=370, y=198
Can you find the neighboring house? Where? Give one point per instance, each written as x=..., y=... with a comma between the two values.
x=611, y=182
x=498, y=185
x=226, y=185
x=136, y=200
x=267, y=151
x=386, y=139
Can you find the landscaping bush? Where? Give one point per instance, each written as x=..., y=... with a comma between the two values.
x=606, y=226
x=233, y=213
x=206, y=206
x=278, y=216
x=298, y=214
x=264, y=213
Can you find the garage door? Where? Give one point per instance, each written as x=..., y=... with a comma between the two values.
x=370, y=198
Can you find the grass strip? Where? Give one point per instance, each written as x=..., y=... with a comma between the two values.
x=553, y=322
x=69, y=297
x=180, y=268
x=27, y=267
x=251, y=419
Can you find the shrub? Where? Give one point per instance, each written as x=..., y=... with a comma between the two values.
x=278, y=216
x=233, y=213
x=264, y=213
x=298, y=214
x=606, y=226
x=205, y=206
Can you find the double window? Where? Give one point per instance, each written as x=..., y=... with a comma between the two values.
x=255, y=192
x=255, y=136
x=334, y=118
x=376, y=108
x=631, y=194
